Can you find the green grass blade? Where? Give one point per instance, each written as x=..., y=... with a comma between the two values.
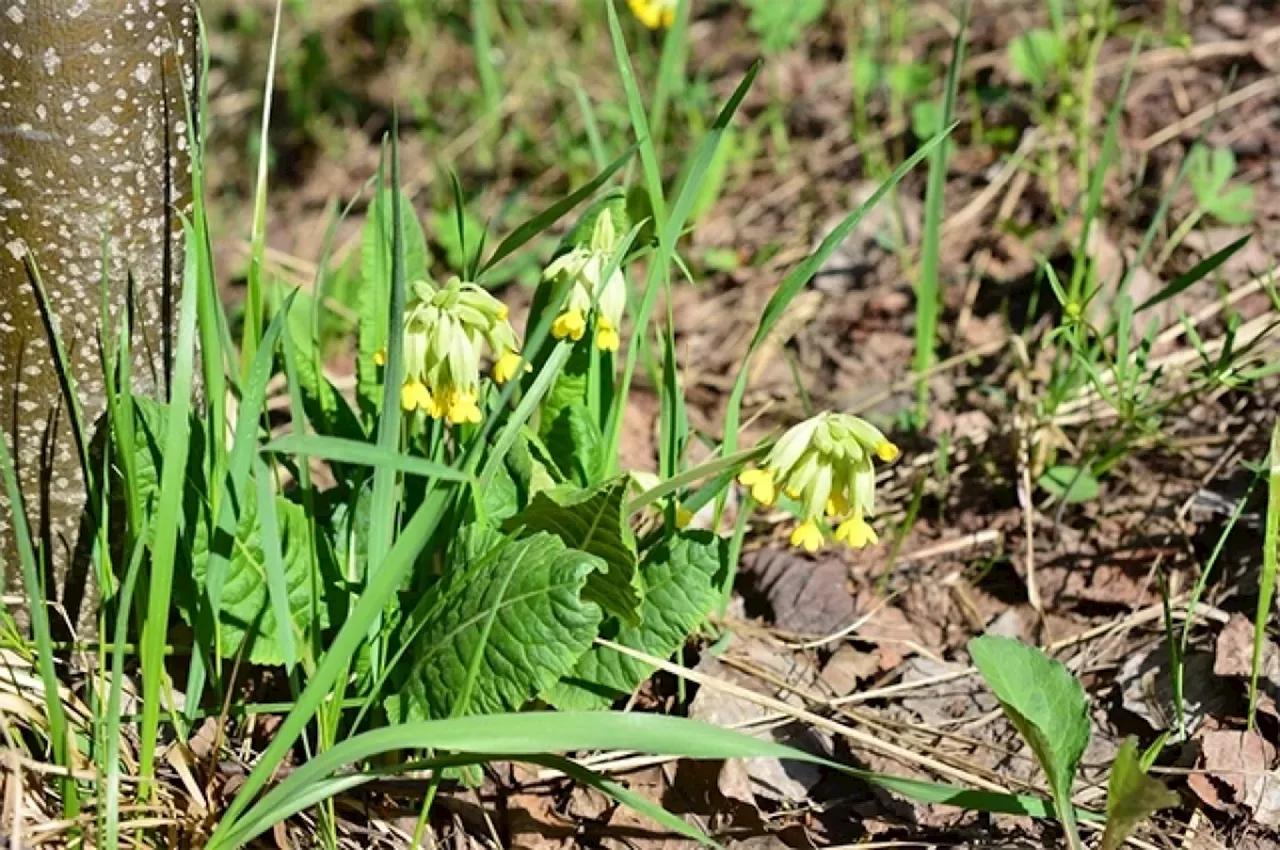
x=482, y=44
x=800, y=276
x=689, y=476
x=59, y=733
x=386, y=493
x=534, y=734
x=639, y=123
x=273, y=565
x=675, y=51
x=524, y=411
x=339, y=450
x=1267, y=580
x=928, y=287
x=168, y=517
x=253, y=304
x=113, y=735
x=1195, y=274
x=540, y=222
x=669, y=232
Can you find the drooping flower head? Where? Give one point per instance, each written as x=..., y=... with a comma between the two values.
x=445, y=332
x=654, y=14
x=825, y=464
x=583, y=267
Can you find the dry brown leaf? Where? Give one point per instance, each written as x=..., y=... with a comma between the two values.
x=1237, y=769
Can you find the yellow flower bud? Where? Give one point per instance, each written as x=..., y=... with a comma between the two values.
x=807, y=536
x=569, y=325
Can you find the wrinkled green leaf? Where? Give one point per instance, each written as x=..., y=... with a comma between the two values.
x=575, y=441
x=519, y=476
x=1035, y=55
x=593, y=521
x=246, y=608
x=681, y=577
x=1070, y=484
x=375, y=294
x=1132, y=796
x=1044, y=702
x=498, y=628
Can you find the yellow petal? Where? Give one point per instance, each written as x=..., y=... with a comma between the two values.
x=607, y=338
x=683, y=517
x=462, y=408
x=507, y=367
x=761, y=484
x=856, y=533
x=380, y=357
x=411, y=395
x=887, y=452
x=807, y=536
x=569, y=325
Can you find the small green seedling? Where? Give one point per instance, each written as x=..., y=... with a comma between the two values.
x=779, y=26
x=1132, y=795
x=1035, y=55
x=1050, y=710
x=1070, y=484
x=1209, y=172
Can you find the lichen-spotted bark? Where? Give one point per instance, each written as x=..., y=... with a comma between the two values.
x=92, y=147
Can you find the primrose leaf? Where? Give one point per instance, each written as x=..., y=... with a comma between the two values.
x=1132, y=796
x=1044, y=702
x=1034, y=55
x=681, y=580
x=593, y=521
x=1070, y=484
x=375, y=293
x=246, y=606
x=575, y=441
x=503, y=624
x=521, y=474
x=864, y=71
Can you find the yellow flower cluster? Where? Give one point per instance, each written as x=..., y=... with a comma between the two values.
x=445, y=332
x=583, y=266
x=824, y=463
x=656, y=14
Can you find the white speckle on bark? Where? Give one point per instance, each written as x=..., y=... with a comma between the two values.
x=18, y=249
x=52, y=61
x=78, y=8
x=142, y=74
x=102, y=126
x=15, y=14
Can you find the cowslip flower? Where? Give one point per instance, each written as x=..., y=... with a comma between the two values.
x=583, y=267
x=825, y=464
x=654, y=14
x=445, y=333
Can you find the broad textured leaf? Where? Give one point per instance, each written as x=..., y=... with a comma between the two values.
x=246, y=606
x=1034, y=55
x=500, y=629
x=1132, y=796
x=593, y=521
x=680, y=577
x=520, y=475
x=1043, y=701
x=574, y=440
x=375, y=294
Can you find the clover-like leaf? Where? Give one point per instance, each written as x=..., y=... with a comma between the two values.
x=1132, y=796
x=1209, y=173
x=779, y=26
x=1046, y=705
x=593, y=521
x=1035, y=55
x=502, y=625
x=1070, y=484
x=681, y=577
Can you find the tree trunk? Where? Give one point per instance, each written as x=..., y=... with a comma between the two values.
x=93, y=153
